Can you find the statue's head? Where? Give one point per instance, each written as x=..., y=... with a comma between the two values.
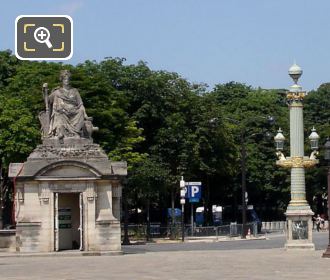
x=65, y=77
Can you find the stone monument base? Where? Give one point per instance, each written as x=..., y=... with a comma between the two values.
x=299, y=229
x=67, y=197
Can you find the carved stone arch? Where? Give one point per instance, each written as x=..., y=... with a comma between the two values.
x=68, y=169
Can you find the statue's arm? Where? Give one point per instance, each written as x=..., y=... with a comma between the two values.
x=52, y=96
x=78, y=98
x=81, y=105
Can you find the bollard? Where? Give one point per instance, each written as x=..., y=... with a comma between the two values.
x=233, y=229
x=216, y=232
x=255, y=229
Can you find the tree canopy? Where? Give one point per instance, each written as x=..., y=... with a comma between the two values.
x=166, y=127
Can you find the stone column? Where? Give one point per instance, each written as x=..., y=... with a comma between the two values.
x=298, y=188
x=116, y=200
x=90, y=197
x=104, y=202
x=107, y=226
x=28, y=226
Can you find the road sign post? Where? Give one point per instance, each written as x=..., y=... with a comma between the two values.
x=182, y=202
x=193, y=193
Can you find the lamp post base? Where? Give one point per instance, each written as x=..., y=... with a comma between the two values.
x=299, y=245
x=299, y=229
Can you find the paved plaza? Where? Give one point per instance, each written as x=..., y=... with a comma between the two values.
x=275, y=263
x=248, y=259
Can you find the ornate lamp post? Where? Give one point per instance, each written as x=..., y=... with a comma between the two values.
x=326, y=254
x=298, y=213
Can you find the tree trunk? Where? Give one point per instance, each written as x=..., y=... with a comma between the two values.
x=148, y=219
x=172, y=236
x=207, y=206
x=2, y=202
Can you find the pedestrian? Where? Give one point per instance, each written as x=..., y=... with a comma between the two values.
x=318, y=222
x=322, y=221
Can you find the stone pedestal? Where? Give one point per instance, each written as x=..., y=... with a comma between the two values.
x=299, y=229
x=299, y=214
x=75, y=167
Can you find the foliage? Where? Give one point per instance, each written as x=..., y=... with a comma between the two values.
x=18, y=134
x=125, y=149
x=148, y=180
x=166, y=127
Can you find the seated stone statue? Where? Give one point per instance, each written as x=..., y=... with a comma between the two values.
x=65, y=114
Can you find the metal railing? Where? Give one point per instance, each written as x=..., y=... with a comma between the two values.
x=139, y=232
x=274, y=226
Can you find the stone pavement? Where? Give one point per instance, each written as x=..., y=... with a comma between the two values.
x=220, y=264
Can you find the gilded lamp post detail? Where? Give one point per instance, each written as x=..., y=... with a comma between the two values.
x=299, y=213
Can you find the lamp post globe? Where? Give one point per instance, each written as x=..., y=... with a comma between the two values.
x=295, y=72
x=279, y=140
x=314, y=139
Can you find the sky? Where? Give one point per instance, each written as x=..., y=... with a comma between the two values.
x=205, y=41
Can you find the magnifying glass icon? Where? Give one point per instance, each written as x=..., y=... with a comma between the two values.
x=41, y=35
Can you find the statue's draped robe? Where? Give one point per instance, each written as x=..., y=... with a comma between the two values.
x=67, y=113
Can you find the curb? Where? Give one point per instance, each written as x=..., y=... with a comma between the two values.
x=210, y=239
x=63, y=254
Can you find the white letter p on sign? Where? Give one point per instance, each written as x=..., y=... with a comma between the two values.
x=194, y=190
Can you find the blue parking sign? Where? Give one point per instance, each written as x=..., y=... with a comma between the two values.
x=193, y=191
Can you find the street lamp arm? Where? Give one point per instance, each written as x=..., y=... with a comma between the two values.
x=314, y=155
x=280, y=155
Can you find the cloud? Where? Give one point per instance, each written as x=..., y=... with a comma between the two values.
x=69, y=8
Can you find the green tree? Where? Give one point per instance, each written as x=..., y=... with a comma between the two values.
x=316, y=113
x=18, y=132
x=249, y=107
x=147, y=183
x=8, y=65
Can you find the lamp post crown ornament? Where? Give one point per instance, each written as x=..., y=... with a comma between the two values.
x=295, y=72
x=295, y=93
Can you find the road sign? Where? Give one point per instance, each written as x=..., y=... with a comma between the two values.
x=193, y=191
